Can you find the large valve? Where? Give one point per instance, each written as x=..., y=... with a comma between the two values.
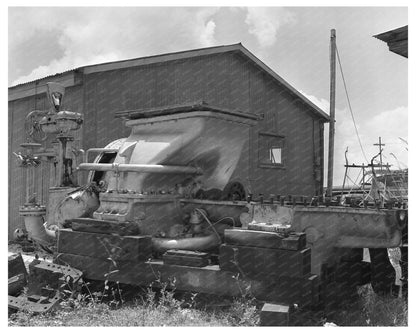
x=40, y=125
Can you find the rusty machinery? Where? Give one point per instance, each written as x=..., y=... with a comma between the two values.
x=164, y=202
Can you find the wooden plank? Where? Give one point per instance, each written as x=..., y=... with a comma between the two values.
x=258, y=263
x=104, y=227
x=185, y=261
x=187, y=253
x=210, y=279
x=118, y=248
x=264, y=239
x=186, y=258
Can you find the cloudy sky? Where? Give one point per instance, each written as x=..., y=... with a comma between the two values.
x=294, y=42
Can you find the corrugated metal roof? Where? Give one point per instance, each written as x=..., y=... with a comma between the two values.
x=117, y=64
x=189, y=54
x=45, y=77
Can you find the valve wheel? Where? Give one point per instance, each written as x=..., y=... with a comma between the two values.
x=34, y=130
x=234, y=191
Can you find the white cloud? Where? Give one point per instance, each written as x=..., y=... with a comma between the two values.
x=25, y=22
x=264, y=23
x=207, y=36
x=94, y=35
x=321, y=103
x=205, y=26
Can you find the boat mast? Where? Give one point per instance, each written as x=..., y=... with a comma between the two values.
x=331, y=115
x=380, y=150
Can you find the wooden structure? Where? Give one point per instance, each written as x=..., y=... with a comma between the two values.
x=396, y=39
x=285, y=147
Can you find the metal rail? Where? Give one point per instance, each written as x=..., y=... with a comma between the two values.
x=149, y=168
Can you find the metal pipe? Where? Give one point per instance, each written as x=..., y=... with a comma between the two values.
x=77, y=152
x=99, y=150
x=331, y=115
x=50, y=232
x=27, y=184
x=149, y=168
x=193, y=244
x=199, y=243
x=33, y=219
x=80, y=151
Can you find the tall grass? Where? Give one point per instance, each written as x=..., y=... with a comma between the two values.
x=383, y=310
x=110, y=305
x=152, y=307
x=370, y=309
x=165, y=307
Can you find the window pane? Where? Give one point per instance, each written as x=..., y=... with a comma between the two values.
x=276, y=155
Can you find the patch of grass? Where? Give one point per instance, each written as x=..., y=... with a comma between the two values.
x=101, y=314
x=153, y=307
x=110, y=304
x=384, y=310
x=164, y=307
x=243, y=311
x=370, y=309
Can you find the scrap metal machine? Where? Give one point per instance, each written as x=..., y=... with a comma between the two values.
x=169, y=202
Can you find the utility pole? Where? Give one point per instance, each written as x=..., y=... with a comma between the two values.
x=332, y=69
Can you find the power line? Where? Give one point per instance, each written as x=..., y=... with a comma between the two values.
x=349, y=104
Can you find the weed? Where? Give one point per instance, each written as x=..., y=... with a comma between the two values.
x=383, y=310
x=244, y=312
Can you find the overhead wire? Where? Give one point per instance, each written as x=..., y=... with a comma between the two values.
x=349, y=104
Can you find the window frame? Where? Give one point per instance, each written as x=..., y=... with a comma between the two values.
x=282, y=144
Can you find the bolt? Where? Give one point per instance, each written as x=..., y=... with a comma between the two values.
x=249, y=197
